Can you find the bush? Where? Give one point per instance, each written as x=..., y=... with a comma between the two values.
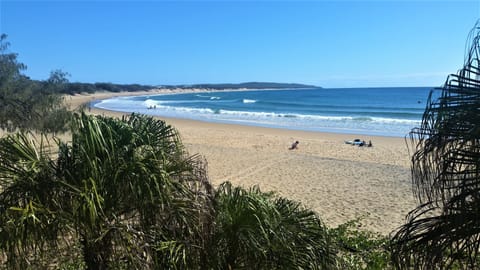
x=358, y=249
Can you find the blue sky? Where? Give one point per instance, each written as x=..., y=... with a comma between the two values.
x=325, y=43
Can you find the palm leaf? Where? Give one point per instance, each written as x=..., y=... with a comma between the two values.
x=257, y=230
x=120, y=189
x=444, y=230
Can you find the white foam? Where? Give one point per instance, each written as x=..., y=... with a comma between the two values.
x=368, y=124
x=210, y=97
x=150, y=103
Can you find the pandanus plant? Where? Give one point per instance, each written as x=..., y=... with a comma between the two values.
x=443, y=232
x=257, y=230
x=123, y=190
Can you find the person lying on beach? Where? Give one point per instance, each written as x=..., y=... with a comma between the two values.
x=294, y=145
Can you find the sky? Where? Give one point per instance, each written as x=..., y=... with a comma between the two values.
x=325, y=43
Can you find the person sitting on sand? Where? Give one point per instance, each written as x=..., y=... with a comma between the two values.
x=294, y=145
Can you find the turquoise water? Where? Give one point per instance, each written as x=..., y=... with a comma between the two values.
x=370, y=111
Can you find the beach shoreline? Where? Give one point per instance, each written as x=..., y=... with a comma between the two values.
x=339, y=181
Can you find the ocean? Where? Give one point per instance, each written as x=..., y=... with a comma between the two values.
x=368, y=111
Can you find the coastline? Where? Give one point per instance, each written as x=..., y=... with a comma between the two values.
x=340, y=182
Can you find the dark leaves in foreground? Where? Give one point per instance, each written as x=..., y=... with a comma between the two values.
x=444, y=231
x=255, y=230
x=118, y=191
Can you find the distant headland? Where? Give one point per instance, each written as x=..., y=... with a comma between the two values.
x=77, y=88
x=252, y=85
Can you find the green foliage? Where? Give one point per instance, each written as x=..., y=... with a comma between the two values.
x=358, y=249
x=27, y=104
x=119, y=190
x=9, y=67
x=256, y=230
x=76, y=87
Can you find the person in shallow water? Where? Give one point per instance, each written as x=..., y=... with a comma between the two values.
x=294, y=145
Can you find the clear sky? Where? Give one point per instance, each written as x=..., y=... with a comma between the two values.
x=325, y=43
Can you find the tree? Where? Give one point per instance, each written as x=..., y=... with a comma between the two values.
x=444, y=230
x=28, y=104
x=9, y=67
x=123, y=190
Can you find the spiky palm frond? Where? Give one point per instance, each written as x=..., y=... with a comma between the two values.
x=444, y=230
x=256, y=230
x=29, y=198
x=140, y=171
x=121, y=188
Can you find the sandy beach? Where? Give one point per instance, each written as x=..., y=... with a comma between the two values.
x=339, y=181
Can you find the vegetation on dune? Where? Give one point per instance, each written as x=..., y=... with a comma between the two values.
x=77, y=87
x=253, y=85
x=73, y=88
x=359, y=249
x=255, y=230
x=123, y=190
x=27, y=104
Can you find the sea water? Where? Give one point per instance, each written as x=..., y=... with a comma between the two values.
x=369, y=111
